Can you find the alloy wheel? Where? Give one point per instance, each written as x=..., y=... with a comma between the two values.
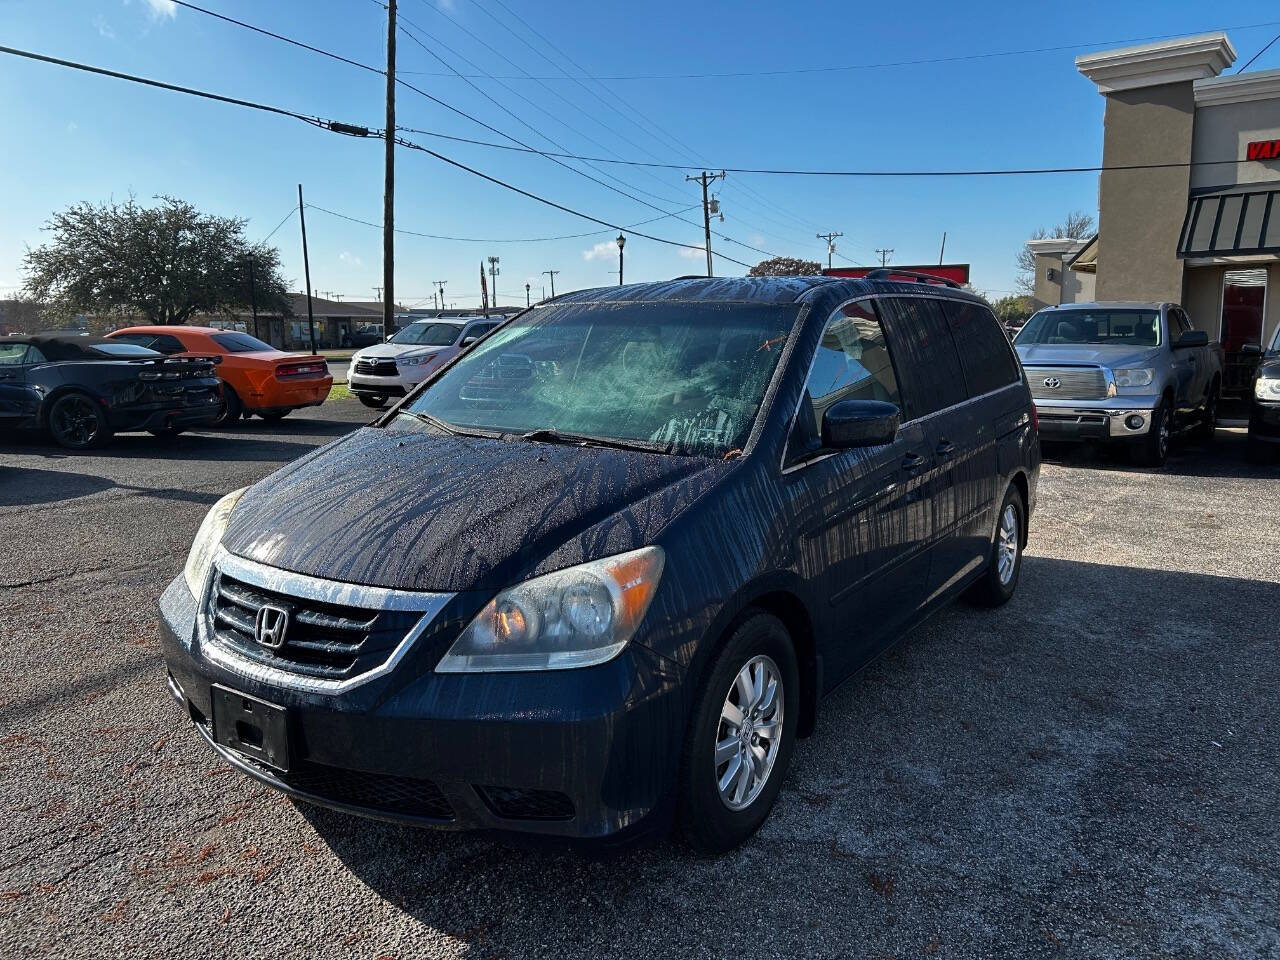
x=1007, y=548
x=75, y=421
x=749, y=734
x=1164, y=434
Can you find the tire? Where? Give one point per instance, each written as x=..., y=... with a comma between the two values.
x=759, y=647
x=274, y=416
x=377, y=401
x=1207, y=431
x=76, y=422
x=1153, y=449
x=232, y=408
x=1000, y=580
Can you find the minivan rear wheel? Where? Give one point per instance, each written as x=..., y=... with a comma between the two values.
x=1000, y=580
x=740, y=740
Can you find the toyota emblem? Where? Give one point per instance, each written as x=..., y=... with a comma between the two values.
x=1053, y=383
x=271, y=626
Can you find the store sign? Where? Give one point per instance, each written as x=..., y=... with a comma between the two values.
x=1263, y=150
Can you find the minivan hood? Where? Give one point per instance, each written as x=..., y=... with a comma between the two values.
x=1106, y=354
x=419, y=511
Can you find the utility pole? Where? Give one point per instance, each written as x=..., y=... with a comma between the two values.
x=389, y=183
x=552, y=275
x=943, y=251
x=377, y=292
x=493, y=275
x=705, y=179
x=831, y=244
x=885, y=254
x=306, y=267
x=253, y=297
x=440, y=284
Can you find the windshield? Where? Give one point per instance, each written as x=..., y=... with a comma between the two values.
x=1134, y=327
x=687, y=376
x=124, y=350
x=428, y=334
x=239, y=343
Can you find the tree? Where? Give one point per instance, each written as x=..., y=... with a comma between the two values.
x=785, y=267
x=166, y=262
x=1013, y=311
x=21, y=316
x=1077, y=226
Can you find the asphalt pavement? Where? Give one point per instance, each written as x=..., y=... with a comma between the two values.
x=1090, y=771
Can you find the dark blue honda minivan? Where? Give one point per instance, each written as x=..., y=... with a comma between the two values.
x=595, y=575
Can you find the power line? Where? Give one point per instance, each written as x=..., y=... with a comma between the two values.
x=1258, y=54
x=287, y=217
x=848, y=67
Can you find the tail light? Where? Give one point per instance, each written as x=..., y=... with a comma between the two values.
x=302, y=369
x=1035, y=418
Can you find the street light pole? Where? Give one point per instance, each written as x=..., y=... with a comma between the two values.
x=622, y=242
x=526, y=295
x=493, y=275
x=306, y=267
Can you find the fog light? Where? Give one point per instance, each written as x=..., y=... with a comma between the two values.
x=1134, y=422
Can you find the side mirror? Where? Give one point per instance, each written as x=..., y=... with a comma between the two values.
x=468, y=341
x=1192, y=338
x=1251, y=350
x=859, y=423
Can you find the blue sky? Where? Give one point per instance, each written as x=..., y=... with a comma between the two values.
x=72, y=137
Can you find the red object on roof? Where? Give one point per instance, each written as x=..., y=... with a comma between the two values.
x=955, y=272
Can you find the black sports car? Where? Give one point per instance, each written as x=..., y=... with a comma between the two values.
x=84, y=389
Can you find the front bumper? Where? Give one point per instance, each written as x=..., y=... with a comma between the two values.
x=588, y=753
x=1119, y=418
x=1264, y=421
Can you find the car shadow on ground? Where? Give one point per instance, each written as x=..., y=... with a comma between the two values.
x=1072, y=769
x=1228, y=456
x=26, y=486
x=187, y=446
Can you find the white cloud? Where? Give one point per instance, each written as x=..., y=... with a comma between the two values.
x=349, y=258
x=693, y=253
x=162, y=8
x=756, y=239
x=103, y=28
x=606, y=249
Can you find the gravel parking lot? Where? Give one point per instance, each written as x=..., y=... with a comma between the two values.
x=1089, y=771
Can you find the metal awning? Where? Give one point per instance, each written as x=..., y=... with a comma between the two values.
x=1086, y=260
x=1231, y=223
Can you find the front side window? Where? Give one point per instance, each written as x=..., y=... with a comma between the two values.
x=428, y=334
x=985, y=353
x=687, y=377
x=852, y=363
x=239, y=343
x=1136, y=327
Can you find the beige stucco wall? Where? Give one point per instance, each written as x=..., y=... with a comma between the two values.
x=1142, y=210
x=1224, y=131
x=1069, y=287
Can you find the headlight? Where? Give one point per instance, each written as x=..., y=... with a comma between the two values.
x=214, y=525
x=414, y=361
x=1267, y=388
x=576, y=617
x=1134, y=378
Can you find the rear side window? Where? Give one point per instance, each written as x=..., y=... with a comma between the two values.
x=12, y=354
x=985, y=353
x=852, y=363
x=240, y=343
x=928, y=362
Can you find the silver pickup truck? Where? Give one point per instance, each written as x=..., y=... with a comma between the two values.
x=1136, y=373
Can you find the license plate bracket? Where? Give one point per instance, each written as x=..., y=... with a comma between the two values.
x=251, y=727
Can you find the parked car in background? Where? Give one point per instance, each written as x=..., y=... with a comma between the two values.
x=1264, y=409
x=257, y=378
x=365, y=335
x=394, y=368
x=1121, y=372
x=82, y=389
x=616, y=586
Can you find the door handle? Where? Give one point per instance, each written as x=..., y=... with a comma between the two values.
x=945, y=449
x=912, y=462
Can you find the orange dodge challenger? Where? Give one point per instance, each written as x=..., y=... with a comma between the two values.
x=256, y=377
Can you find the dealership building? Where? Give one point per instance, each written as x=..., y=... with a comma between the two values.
x=1199, y=221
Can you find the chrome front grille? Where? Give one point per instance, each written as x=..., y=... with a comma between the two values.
x=1067, y=383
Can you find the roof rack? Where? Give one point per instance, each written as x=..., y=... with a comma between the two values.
x=888, y=273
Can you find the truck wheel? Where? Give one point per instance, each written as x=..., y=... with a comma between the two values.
x=77, y=423
x=1153, y=449
x=1207, y=431
x=1000, y=580
x=740, y=738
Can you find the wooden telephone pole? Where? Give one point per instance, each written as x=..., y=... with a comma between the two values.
x=389, y=184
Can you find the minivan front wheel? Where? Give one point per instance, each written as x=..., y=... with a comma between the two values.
x=1000, y=580
x=740, y=740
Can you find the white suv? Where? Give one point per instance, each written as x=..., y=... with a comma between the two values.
x=394, y=368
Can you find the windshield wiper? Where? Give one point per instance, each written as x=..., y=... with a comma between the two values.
x=551, y=435
x=446, y=427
